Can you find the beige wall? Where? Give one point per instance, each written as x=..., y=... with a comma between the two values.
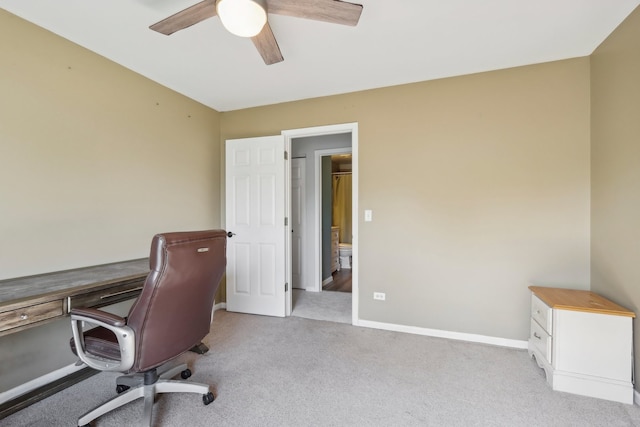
x=490, y=191
x=94, y=160
x=615, y=139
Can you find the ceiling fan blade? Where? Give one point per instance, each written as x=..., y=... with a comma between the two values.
x=334, y=11
x=267, y=45
x=186, y=18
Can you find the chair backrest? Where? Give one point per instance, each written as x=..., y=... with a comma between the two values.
x=173, y=311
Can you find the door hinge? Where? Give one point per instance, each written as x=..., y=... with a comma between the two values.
x=286, y=221
x=286, y=155
x=286, y=287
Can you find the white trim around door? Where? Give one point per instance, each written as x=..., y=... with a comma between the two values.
x=319, y=154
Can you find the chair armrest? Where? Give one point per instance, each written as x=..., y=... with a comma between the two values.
x=116, y=324
x=99, y=315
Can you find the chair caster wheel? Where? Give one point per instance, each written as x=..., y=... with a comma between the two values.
x=120, y=388
x=185, y=374
x=207, y=398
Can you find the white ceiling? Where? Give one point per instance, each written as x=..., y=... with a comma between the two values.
x=395, y=42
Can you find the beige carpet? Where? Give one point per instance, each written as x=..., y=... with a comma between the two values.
x=298, y=372
x=326, y=305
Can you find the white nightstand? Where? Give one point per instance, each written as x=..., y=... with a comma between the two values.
x=584, y=342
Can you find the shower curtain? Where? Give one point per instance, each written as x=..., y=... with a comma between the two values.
x=342, y=205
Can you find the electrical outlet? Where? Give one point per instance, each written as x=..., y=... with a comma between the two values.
x=379, y=296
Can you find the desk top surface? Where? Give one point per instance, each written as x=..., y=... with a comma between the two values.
x=68, y=281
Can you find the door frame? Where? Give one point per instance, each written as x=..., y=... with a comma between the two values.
x=290, y=134
x=303, y=220
x=319, y=154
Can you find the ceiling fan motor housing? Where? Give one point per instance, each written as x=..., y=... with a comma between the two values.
x=244, y=18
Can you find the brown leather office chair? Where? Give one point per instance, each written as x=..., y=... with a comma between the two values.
x=171, y=315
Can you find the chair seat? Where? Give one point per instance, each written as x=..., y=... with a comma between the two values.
x=100, y=342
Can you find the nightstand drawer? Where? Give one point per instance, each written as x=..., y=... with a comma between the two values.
x=27, y=315
x=542, y=314
x=540, y=340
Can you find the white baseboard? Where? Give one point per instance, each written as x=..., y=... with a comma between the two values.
x=503, y=342
x=327, y=280
x=219, y=306
x=35, y=383
x=636, y=397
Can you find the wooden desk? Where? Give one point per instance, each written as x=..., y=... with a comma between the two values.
x=31, y=301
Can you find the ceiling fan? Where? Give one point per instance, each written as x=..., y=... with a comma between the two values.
x=234, y=13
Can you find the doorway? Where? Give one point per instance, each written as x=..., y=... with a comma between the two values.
x=337, y=217
x=334, y=202
x=312, y=264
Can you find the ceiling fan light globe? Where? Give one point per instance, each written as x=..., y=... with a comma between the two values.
x=244, y=18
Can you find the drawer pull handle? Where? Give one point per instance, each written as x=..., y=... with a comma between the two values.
x=535, y=334
x=120, y=293
x=24, y=316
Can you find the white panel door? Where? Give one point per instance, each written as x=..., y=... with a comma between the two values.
x=298, y=203
x=255, y=213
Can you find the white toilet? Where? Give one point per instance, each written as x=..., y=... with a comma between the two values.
x=345, y=255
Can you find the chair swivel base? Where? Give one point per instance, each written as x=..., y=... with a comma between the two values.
x=152, y=385
x=165, y=372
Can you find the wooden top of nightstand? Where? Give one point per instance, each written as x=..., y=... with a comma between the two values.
x=576, y=300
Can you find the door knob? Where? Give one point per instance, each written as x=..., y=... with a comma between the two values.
x=230, y=234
